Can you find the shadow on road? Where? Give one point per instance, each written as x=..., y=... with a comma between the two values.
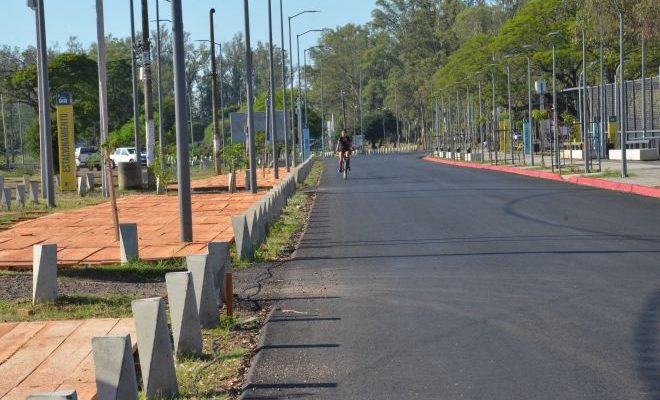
x=647, y=345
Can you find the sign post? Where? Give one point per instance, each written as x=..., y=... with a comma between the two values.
x=65, y=141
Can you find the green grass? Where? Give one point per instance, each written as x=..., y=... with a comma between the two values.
x=135, y=271
x=608, y=173
x=19, y=172
x=282, y=235
x=74, y=306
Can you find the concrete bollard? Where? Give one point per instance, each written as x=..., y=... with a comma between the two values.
x=244, y=247
x=57, y=181
x=186, y=330
x=90, y=182
x=218, y=260
x=199, y=265
x=34, y=192
x=82, y=187
x=60, y=395
x=2, y=184
x=26, y=181
x=155, y=348
x=20, y=195
x=114, y=368
x=6, y=198
x=44, y=273
x=231, y=182
x=255, y=225
x=128, y=242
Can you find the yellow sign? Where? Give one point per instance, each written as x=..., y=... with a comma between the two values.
x=505, y=135
x=66, y=147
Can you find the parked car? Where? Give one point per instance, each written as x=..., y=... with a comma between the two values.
x=82, y=154
x=127, y=154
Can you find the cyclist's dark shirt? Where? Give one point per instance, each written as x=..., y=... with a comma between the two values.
x=344, y=143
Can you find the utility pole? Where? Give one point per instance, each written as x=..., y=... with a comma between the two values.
x=4, y=131
x=161, y=140
x=250, y=100
x=585, y=128
x=136, y=110
x=214, y=99
x=103, y=92
x=623, y=118
x=182, y=149
x=343, y=107
x=44, y=106
x=148, y=88
x=273, y=123
x=286, y=116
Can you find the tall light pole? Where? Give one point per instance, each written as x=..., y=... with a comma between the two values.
x=148, y=85
x=293, y=140
x=273, y=124
x=495, y=138
x=300, y=125
x=136, y=106
x=103, y=93
x=46, y=140
x=510, y=111
x=585, y=127
x=288, y=130
x=556, y=159
x=305, y=69
x=622, y=99
x=529, y=102
x=182, y=149
x=250, y=100
x=159, y=84
x=481, y=132
x=322, y=105
x=214, y=98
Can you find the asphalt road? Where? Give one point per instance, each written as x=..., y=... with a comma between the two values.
x=423, y=281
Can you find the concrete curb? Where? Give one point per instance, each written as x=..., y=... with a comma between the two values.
x=249, y=378
x=640, y=190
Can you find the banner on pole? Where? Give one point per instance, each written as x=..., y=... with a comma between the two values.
x=65, y=141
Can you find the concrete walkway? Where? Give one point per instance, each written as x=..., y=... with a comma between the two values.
x=51, y=356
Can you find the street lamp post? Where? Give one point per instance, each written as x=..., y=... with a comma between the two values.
x=495, y=128
x=481, y=132
x=556, y=158
x=529, y=103
x=287, y=131
x=159, y=83
x=148, y=87
x=510, y=111
x=250, y=100
x=293, y=140
x=300, y=125
x=44, y=107
x=136, y=107
x=182, y=149
x=214, y=99
x=585, y=128
x=622, y=101
x=273, y=124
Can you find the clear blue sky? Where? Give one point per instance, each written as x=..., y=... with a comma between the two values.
x=65, y=18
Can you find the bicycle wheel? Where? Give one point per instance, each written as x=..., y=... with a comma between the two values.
x=347, y=166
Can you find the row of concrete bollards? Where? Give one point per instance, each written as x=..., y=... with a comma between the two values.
x=21, y=190
x=250, y=227
x=195, y=299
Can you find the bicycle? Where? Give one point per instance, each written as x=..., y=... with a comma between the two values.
x=345, y=164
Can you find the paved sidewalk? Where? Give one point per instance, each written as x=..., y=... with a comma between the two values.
x=643, y=179
x=50, y=356
x=85, y=236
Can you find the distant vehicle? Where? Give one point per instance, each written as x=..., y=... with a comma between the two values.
x=126, y=155
x=82, y=154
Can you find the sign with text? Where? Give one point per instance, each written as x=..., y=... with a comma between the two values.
x=65, y=141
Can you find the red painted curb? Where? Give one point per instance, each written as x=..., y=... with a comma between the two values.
x=577, y=180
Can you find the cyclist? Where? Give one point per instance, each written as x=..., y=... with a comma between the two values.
x=344, y=148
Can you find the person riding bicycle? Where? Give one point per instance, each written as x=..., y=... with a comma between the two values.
x=344, y=148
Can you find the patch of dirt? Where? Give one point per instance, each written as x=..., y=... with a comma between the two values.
x=18, y=286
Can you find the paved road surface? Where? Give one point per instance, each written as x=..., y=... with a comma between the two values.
x=424, y=281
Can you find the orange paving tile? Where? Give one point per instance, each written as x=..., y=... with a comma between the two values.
x=85, y=236
x=55, y=355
